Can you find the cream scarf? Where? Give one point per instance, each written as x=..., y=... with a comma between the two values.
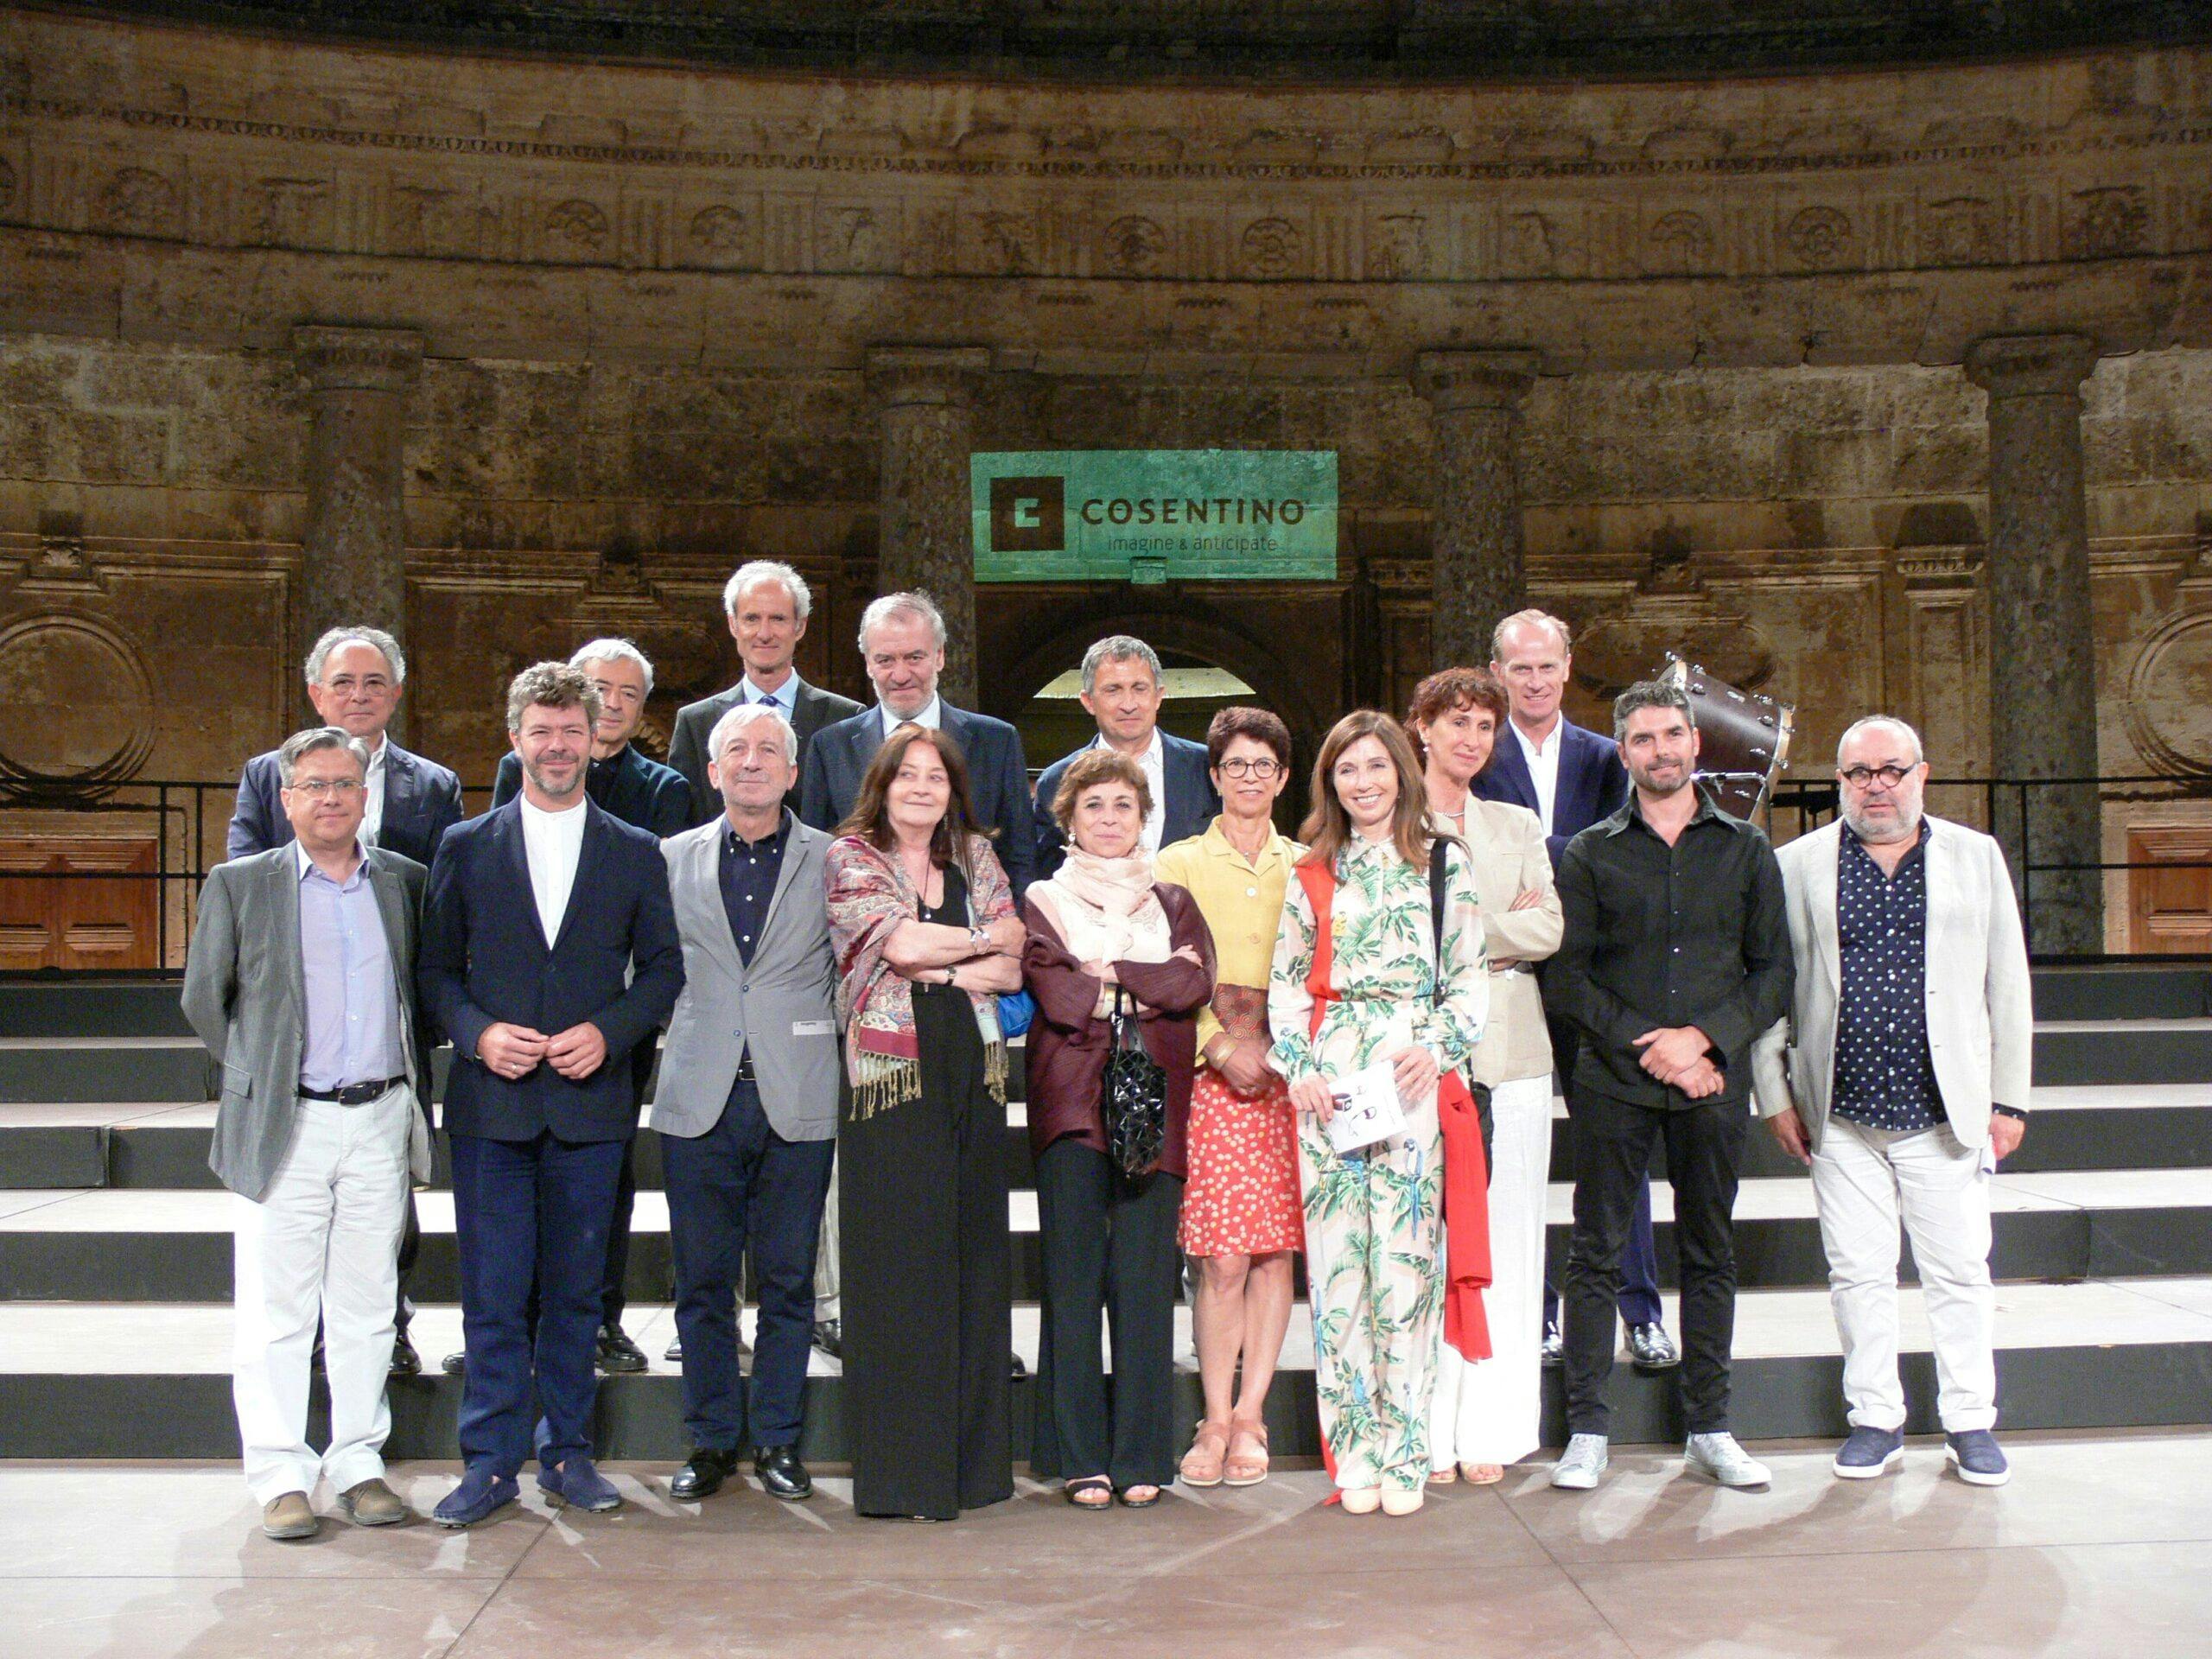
x=1107, y=911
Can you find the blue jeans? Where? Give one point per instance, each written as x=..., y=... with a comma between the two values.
x=527, y=1211
x=742, y=1182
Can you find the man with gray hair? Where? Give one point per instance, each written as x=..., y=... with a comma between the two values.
x=1123, y=687
x=300, y=980
x=355, y=676
x=767, y=604
x=1676, y=958
x=1901, y=1076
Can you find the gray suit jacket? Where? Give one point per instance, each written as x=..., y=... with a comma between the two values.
x=246, y=994
x=783, y=1004
x=812, y=709
x=1981, y=1016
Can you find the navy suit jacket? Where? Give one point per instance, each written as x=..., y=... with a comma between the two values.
x=1592, y=782
x=640, y=792
x=1191, y=806
x=998, y=780
x=421, y=801
x=484, y=958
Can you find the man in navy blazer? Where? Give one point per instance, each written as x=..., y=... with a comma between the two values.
x=902, y=640
x=355, y=676
x=550, y=952
x=1571, y=778
x=1122, y=689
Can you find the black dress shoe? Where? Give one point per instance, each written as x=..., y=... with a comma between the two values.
x=829, y=1337
x=405, y=1362
x=1554, y=1348
x=1015, y=1369
x=675, y=1354
x=703, y=1475
x=455, y=1364
x=617, y=1352
x=781, y=1472
x=1650, y=1349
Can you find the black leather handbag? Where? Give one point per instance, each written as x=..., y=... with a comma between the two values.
x=1133, y=1096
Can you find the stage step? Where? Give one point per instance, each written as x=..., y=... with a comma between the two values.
x=2124, y=991
x=154, y=1381
x=127, y=1245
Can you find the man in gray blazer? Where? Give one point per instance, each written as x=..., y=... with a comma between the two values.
x=767, y=604
x=747, y=1105
x=1901, y=1079
x=301, y=981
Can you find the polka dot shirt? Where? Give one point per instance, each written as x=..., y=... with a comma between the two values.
x=1885, y=1075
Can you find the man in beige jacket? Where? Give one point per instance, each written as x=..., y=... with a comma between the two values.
x=1901, y=1079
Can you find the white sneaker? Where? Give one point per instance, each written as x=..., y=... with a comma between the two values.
x=1582, y=1465
x=1718, y=1458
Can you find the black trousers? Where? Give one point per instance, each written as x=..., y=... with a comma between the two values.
x=1612, y=1155
x=411, y=1246
x=1639, y=1297
x=1108, y=1246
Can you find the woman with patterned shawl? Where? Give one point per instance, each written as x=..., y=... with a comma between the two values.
x=922, y=920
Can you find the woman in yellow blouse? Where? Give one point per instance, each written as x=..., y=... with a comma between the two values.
x=1241, y=1213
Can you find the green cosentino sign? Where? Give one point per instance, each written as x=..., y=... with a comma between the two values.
x=1152, y=515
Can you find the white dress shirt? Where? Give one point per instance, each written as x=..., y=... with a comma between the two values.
x=1154, y=760
x=372, y=816
x=932, y=716
x=552, y=842
x=1543, y=765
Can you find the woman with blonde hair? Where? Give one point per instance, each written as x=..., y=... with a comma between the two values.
x=1378, y=987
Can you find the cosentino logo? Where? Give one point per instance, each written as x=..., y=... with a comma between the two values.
x=1215, y=510
x=1029, y=515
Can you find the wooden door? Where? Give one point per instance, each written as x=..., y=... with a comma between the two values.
x=51, y=917
x=2170, y=910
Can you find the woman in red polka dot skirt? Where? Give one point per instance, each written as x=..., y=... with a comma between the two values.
x=1243, y=1217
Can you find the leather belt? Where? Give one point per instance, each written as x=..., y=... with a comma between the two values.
x=745, y=1066
x=354, y=1094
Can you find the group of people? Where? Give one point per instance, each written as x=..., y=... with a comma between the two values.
x=845, y=919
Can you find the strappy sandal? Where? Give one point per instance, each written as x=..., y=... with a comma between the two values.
x=1482, y=1474
x=1202, y=1467
x=1128, y=1503
x=1445, y=1477
x=1092, y=1492
x=1246, y=1468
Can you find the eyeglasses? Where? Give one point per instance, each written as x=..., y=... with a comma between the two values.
x=1888, y=777
x=1261, y=769
x=316, y=789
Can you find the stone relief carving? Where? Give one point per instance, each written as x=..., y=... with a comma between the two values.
x=1961, y=230
x=1132, y=245
x=1007, y=241
x=719, y=229
x=1818, y=238
x=7, y=185
x=1270, y=248
x=575, y=226
x=76, y=703
x=1401, y=254
x=2168, y=692
x=1678, y=245
x=287, y=212
x=1531, y=245
x=2106, y=222
x=137, y=201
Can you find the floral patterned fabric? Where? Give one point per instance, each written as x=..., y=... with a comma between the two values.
x=1374, y=1226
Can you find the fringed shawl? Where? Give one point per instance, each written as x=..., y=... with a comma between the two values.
x=869, y=896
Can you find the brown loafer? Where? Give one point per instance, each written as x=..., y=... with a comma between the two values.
x=372, y=1503
x=289, y=1517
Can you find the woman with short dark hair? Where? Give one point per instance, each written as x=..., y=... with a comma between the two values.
x=926, y=937
x=1104, y=936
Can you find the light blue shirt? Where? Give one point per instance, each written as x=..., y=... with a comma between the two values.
x=785, y=697
x=352, y=1012
x=932, y=715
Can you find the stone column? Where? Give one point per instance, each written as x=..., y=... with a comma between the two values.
x=923, y=528
x=1477, y=571
x=353, y=557
x=2043, y=680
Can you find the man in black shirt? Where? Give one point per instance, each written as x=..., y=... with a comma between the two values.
x=1676, y=958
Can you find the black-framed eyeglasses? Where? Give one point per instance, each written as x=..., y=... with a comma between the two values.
x=1888, y=777
x=1261, y=769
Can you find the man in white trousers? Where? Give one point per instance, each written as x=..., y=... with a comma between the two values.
x=300, y=980
x=1901, y=1079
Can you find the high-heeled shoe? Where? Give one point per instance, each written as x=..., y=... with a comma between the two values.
x=1403, y=1500
x=1362, y=1500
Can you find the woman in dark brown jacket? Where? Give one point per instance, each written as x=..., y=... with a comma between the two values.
x=1108, y=1240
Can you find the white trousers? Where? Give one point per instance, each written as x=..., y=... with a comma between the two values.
x=324, y=1242
x=1491, y=1411
x=1863, y=1180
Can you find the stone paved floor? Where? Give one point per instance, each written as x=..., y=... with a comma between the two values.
x=2100, y=1547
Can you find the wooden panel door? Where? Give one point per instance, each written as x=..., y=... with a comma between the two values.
x=50, y=917
x=2170, y=910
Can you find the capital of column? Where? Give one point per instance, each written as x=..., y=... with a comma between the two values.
x=1494, y=379
x=901, y=375
x=2031, y=365
x=358, y=359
